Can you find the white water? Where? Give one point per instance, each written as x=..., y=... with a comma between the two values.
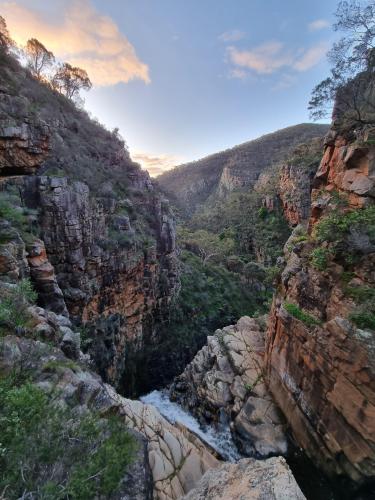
x=220, y=440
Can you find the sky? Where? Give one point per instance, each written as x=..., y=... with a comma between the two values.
x=185, y=78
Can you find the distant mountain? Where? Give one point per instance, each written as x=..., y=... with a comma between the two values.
x=191, y=184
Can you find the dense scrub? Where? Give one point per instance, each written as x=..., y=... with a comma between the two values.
x=49, y=451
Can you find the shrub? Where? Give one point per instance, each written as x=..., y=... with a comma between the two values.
x=363, y=319
x=14, y=305
x=300, y=238
x=299, y=314
x=107, y=464
x=337, y=225
x=360, y=294
x=319, y=258
x=54, y=453
x=17, y=217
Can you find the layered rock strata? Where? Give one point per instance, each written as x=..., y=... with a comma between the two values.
x=24, y=147
x=320, y=363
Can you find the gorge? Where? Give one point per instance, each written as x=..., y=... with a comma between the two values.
x=208, y=334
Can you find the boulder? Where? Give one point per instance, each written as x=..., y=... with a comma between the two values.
x=226, y=377
x=248, y=479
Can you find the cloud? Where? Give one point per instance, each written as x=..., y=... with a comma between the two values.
x=273, y=56
x=77, y=33
x=232, y=36
x=156, y=165
x=311, y=57
x=239, y=73
x=264, y=59
x=318, y=24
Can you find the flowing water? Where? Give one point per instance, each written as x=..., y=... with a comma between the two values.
x=313, y=483
x=220, y=439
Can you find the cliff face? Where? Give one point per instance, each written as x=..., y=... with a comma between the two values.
x=103, y=248
x=114, y=284
x=192, y=184
x=289, y=184
x=320, y=341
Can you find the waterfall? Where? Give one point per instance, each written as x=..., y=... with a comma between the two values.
x=220, y=439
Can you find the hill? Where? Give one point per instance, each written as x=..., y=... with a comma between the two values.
x=191, y=184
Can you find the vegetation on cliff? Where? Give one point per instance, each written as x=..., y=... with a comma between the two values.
x=51, y=452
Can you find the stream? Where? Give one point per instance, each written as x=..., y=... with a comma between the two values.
x=219, y=439
x=314, y=484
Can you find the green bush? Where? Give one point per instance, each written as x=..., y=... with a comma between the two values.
x=14, y=303
x=363, y=319
x=14, y=215
x=337, y=225
x=107, y=463
x=300, y=238
x=17, y=216
x=360, y=294
x=54, y=453
x=319, y=258
x=299, y=314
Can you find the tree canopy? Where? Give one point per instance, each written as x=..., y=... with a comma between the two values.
x=69, y=80
x=38, y=57
x=5, y=39
x=351, y=82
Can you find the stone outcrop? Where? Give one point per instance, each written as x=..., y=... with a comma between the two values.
x=295, y=181
x=111, y=282
x=177, y=460
x=43, y=276
x=23, y=148
x=248, y=480
x=320, y=365
x=288, y=185
x=225, y=381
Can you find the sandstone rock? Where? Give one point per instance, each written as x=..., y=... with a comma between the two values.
x=226, y=378
x=248, y=480
x=177, y=459
x=70, y=343
x=295, y=181
x=322, y=376
x=44, y=280
x=116, y=291
x=13, y=263
x=23, y=148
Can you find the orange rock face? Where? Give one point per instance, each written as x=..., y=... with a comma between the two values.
x=23, y=149
x=119, y=292
x=322, y=375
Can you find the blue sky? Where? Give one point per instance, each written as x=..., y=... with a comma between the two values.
x=194, y=76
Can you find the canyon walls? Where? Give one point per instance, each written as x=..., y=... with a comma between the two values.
x=98, y=236
x=320, y=340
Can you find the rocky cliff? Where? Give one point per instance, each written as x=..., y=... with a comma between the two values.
x=192, y=184
x=320, y=340
x=288, y=184
x=102, y=248
x=225, y=384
